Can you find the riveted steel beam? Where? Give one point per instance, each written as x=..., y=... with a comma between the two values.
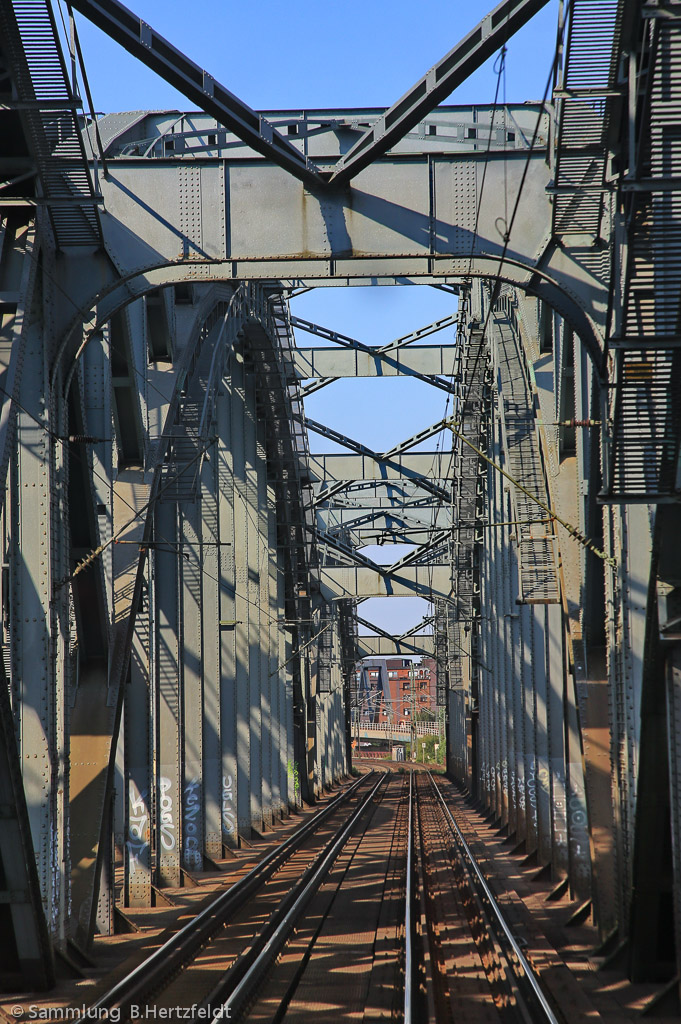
x=424, y=362
x=157, y=53
x=386, y=460
x=428, y=581
x=387, y=646
x=433, y=465
x=454, y=68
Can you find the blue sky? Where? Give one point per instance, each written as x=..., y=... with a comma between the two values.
x=277, y=55
x=341, y=53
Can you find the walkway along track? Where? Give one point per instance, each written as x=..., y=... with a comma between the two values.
x=155, y=980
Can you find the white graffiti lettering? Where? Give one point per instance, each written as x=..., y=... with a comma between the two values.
x=228, y=815
x=168, y=840
x=191, y=824
x=137, y=842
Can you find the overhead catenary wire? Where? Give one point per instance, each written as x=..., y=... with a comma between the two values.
x=586, y=542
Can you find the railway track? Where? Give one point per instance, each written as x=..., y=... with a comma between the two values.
x=186, y=965
x=469, y=967
x=375, y=910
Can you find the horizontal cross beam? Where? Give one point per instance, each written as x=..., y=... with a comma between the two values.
x=419, y=361
x=428, y=581
x=433, y=465
x=385, y=646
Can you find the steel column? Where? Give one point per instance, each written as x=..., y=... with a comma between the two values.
x=38, y=698
x=191, y=732
x=556, y=728
x=210, y=648
x=227, y=627
x=166, y=599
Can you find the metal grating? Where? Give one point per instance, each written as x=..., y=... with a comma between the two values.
x=583, y=103
x=646, y=423
x=50, y=118
x=645, y=393
x=538, y=574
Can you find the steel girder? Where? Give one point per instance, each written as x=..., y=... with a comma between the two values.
x=152, y=49
x=400, y=221
x=146, y=44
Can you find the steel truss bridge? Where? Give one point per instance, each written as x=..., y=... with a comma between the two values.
x=181, y=577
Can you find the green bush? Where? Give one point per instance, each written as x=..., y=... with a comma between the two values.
x=425, y=750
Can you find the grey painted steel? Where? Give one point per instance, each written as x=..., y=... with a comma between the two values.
x=168, y=780
x=241, y=607
x=211, y=642
x=290, y=237
x=542, y=779
x=49, y=111
x=38, y=719
x=423, y=581
x=529, y=682
x=196, y=84
x=479, y=44
x=556, y=727
x=227, y=619
x=161, y=134
x=673, y=701
x=20, y=877
x=138, y=766
x=192, y=702
x=381, y=646
x=273, y=671
x=435, y=466
x=251, y=591
x=426, y=364
x=266, y=614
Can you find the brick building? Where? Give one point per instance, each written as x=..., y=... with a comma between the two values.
x=396, y=689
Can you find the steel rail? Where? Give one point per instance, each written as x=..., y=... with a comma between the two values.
x=491, y=902
x=181, y=947
x=252, y=970
x=408, y=925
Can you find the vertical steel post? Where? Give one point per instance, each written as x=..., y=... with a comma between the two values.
x=251, y=499
x=37, y=704
x=276, y=614
x=137, y=891
x=210, y=646
x=556, y=726
x=191, y=745
x=131, y=493
x=168, y=710
x=227, y=620
x=266, y=625
x=542, y=779
x=674, y=748
x=242, y=607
